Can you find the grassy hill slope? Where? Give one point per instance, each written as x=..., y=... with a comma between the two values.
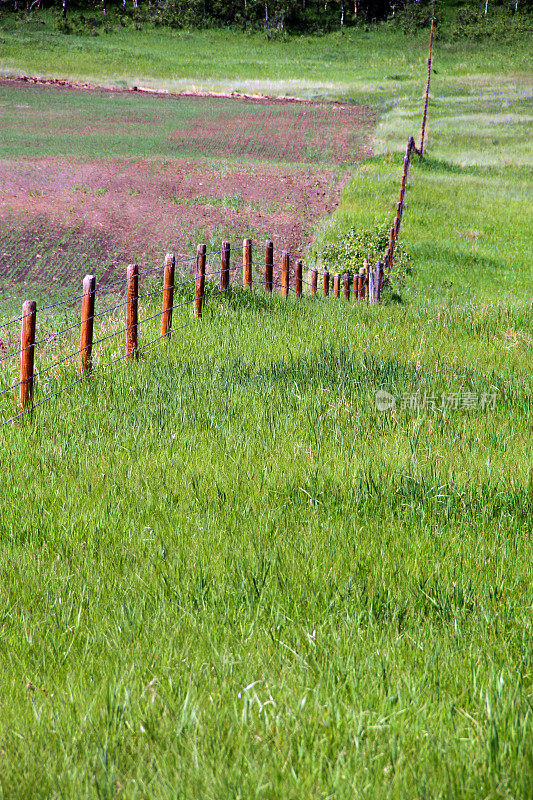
x=226, y=573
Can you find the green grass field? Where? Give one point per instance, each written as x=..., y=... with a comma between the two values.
x=225, y=573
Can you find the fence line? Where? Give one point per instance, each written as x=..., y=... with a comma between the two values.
x=291, y=280
x=364, y=285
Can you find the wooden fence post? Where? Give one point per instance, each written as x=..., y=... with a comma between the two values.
x=247, y=263
x=371, y=286
x=325, y=284
x=132, y=311
x=27, y=352
x=168, y=295
x=298, y=280
x=355, y=287
x=336, y=284
x=314, y=279
x=363, y=284
x=199, y=284
x=379, y=281
x=269, y=264
x=398, y=220
x=347, y=281
x=425, y=114
x=224, y=266
x=87, y=325
x=284, y=274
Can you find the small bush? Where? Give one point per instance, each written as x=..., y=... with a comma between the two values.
x=343, y=248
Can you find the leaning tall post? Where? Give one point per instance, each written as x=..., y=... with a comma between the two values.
x=87, y=325
x=269, y=264
x=284, y=274
x=247, y=263
x=199, y=285
x=27, y=352
x=132, y=311
x=425, y=114
x=224, y=266
x=168, y=295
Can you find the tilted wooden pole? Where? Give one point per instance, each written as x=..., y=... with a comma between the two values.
x=425, y=114
x=247, y=263
x=132, y=311
x=269, y=264
x=224, y=266
x=87, y=325
x=199, y=285
x=27, y=352
x=168, y=295
x=284, y=274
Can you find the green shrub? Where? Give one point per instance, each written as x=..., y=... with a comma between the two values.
x=341, y=247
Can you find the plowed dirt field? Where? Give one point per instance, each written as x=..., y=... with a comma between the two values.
x=93, y=179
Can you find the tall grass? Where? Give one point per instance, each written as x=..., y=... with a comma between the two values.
x=225, y=573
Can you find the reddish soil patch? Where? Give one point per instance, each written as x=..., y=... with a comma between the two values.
x=136, y=210
x=60, y=216
x=280, y=132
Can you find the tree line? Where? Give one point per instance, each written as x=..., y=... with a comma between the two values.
x=276, y=15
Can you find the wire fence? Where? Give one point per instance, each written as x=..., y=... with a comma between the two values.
x=276, y=270
x=261, y=266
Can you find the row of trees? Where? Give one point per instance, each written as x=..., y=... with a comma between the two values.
x=280, y=14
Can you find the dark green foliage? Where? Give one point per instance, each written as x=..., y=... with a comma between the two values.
x=345, y=247
x=279, y=17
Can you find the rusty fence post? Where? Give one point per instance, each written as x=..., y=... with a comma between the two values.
x=132, y=311
x=247, y=263
x=87, y=325
x=168, y=295
x=325, y=284
x=27, y=352
x=224, y=266
x=314, y=279
x=298, y=280
x=269, y=264
x=199, y=284
x=355, y=287
x=284, y=274
x=347, y=281
x=336, y=284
